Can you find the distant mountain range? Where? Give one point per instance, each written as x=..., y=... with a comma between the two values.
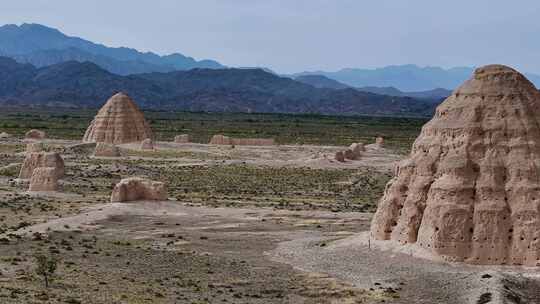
x=406, y=78
x=41, y=65
x=76, y=84
x=43, y=46
x=320, y=81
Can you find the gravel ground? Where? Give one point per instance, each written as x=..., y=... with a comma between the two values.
x=416, y=280
x=167, y=252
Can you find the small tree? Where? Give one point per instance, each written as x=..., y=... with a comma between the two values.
x=46, y=266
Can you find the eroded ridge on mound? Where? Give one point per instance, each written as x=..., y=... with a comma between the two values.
x=119, y=121
x=470, y=189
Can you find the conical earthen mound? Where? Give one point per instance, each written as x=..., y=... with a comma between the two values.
x=118, y=121
x=470, y=190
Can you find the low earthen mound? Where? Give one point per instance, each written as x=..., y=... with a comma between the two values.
x=182, y=139
x=35, y=135
x=139, y=189
x=379, y=141
x=470, y=189
x=147, y=144
x=106, y=150
x=118, y=121
x=42, y=159
x=225, y=140
x=220, y=140
x=340, y=156
x=4, y=135
x=44, y=179
x=355, y=151
x=357, y=147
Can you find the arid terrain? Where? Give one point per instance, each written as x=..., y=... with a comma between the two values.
x=243, y=224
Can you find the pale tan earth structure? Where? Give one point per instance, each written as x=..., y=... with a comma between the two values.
x=42, y=159
x=139, y=189
x=107, y=150
x=379, y=141
x=147, y=144
x=470, y=189
x=182, y=139
x=35, y=135
x=35, y=147
x=354, y=152
x=119, y=121
x=340, y=156
x=225, y=140
x=359, y=147
x=44, y=179
x=349, y=154
x=4, y=135
x=220, y=140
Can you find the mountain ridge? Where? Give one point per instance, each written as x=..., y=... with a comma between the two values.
x=40, y=46
x=87, y=85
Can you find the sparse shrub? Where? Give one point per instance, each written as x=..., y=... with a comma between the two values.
x=46, y=266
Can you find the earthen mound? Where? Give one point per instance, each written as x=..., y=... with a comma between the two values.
x=182, y=139
x=359, y=147
x=147, y=144
x=42, y=159
x=4, y=135
x=340, y=156
x=35, y=135
x=107, y=150
x=118, y=121
x=225, y=140
x=44, y=179
x=220, y=140
x=355, y=151
x=137, y=189
x=470, y=189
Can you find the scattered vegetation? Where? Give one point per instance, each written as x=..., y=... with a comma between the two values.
x=289, y=188
x=46, y=267
x=286, y=129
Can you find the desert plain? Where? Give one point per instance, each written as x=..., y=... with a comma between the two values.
x=285, y=223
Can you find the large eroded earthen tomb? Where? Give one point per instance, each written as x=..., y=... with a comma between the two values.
x=470, y=189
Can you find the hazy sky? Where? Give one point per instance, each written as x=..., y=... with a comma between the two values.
x=297, y=35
